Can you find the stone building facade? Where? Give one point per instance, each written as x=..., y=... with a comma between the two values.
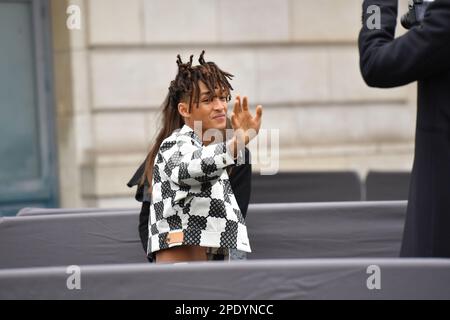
x=297, y=58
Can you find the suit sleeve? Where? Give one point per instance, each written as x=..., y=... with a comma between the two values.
x=420, y=53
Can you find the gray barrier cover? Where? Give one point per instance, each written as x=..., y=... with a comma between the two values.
x=387, y=185
x=54, y=240
x=306, y=187
x=326, y=230
x=319, y=230
x=25, y=212
x=261, y=279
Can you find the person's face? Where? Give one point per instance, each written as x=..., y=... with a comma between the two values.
x=212, y=113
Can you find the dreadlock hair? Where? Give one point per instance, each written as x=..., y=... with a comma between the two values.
x=185, y=88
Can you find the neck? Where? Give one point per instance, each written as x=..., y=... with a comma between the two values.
x=200, y=132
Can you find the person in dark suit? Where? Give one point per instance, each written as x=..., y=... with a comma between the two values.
x=423, y=55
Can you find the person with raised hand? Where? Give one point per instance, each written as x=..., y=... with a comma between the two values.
x=193, y=208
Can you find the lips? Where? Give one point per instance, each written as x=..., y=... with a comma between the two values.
x=219, y=116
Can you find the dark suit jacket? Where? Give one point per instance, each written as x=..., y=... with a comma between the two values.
x=423, y=55
x=240, y=179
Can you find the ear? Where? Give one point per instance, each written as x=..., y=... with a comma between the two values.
x=183, y=109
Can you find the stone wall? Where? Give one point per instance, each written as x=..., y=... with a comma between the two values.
x=297, y=58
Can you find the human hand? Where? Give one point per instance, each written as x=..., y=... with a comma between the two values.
x=245, y=125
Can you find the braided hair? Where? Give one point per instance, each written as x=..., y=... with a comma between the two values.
x=185, y=88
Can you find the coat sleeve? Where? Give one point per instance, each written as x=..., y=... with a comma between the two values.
x=241, y=183
x=143, y=223
x=420, y=53
x=187, y=164
x=135, y=181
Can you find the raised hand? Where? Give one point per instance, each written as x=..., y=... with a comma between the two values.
x=242, y=119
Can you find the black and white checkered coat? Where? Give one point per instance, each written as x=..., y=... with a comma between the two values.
x=192, y=193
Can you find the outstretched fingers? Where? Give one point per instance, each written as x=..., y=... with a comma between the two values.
x=234, y=121
x=259, y=111
x=245, y=104
x=237, y=105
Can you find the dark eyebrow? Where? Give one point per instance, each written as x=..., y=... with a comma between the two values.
x=206, y=93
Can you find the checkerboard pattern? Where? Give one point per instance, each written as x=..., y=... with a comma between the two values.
x=192, y=193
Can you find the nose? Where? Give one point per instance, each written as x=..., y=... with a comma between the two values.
x=218, y=104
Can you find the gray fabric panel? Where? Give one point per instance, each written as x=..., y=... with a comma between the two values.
x=54, y=240
x=25, y=212
x=263, y=279
x=322, y=230
x=276, y=231
x=385, y=186
x=306, y=187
